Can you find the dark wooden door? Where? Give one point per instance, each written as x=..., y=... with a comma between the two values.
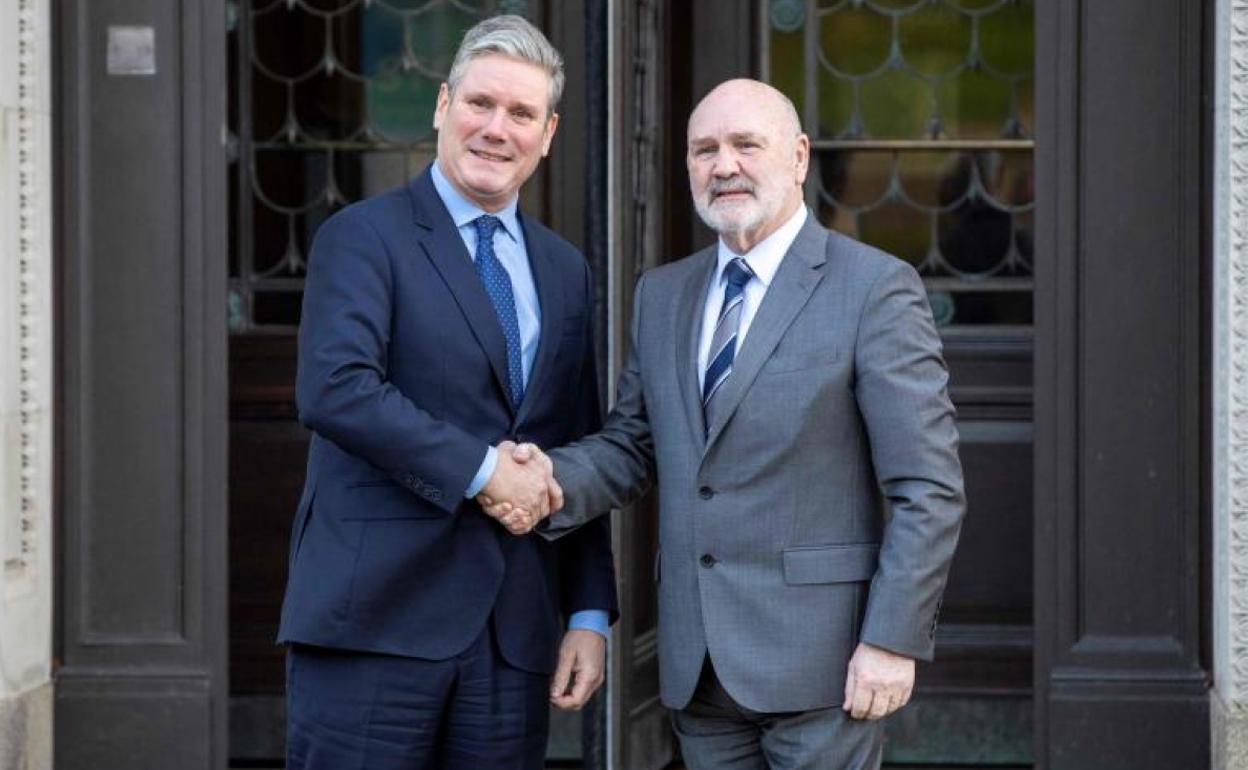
x=141, y=607
x=1122, y=405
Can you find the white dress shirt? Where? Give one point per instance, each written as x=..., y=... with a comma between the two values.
x=764, y=259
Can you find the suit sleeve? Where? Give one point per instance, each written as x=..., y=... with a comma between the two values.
x=587, y=565
x=341, y=388
x=615, y=466
x=901, y=393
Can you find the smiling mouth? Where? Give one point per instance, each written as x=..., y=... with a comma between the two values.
x=482, y=154
x=731, y=195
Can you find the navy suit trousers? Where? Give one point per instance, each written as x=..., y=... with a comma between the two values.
x=351, y=710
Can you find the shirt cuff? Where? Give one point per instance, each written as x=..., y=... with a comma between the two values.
x=483, y=473
x=590, y=620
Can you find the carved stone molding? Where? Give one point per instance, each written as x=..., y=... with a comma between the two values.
x=25, y=385
x=1231, y=356
x=30, y=262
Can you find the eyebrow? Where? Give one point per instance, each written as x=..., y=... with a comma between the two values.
x=735, y=136
x=509, y=103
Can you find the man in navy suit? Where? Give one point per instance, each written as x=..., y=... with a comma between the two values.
x=440, y=324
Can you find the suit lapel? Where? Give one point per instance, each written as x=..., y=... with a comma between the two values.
x=786, y=296
x=444, y=247
x=690, y=304
x=550, y=303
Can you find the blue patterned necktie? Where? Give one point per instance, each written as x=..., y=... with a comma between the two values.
x=497, y=283
x=724, y=340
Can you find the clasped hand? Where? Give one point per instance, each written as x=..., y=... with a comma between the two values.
x=522, y=491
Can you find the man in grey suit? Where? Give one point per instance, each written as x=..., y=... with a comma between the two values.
x=786, y=388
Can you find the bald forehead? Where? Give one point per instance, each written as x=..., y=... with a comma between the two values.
x=744, y=106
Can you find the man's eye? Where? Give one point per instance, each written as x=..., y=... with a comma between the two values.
x=704, y=151
x=522, y=115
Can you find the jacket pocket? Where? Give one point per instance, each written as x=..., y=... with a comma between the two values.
x=385, y=482
x=849, y=563
x=798, y=361
x=378, y=499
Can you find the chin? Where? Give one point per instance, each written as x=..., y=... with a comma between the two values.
x=736, y=220
x=487, y=184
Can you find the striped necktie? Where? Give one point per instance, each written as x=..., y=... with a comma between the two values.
x=724, y=341
x=497, y=282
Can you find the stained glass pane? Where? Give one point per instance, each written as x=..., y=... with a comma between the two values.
x=975, y=105
x=332, y=101
x=855, y=41
x=922, y=139
x=935, y=39
x=922, y=70
x=961, y=217
x=1006, y=41
x=897, y=103
x=786, y=62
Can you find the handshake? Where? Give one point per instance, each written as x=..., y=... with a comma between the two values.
x=522, y=491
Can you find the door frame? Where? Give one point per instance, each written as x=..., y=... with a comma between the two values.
x=1121, y=409
x=140, y=651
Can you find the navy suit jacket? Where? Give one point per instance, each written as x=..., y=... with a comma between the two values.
x=402, y=378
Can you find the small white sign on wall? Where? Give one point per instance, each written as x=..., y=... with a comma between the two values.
x=131, y=50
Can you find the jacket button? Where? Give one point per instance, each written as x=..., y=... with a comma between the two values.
x=706, y=493
x=707, y=560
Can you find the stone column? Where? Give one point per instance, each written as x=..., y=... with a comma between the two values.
x=1229, y=705
x=25, y=386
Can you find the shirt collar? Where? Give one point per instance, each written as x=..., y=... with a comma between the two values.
x=764, y=259
x=463, y=211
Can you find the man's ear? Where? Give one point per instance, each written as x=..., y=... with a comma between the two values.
x=444, y=103
x=801, y=158
x=551, y=124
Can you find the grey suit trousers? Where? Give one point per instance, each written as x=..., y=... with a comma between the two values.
x=718, y=733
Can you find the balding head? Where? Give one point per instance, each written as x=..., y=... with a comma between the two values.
x=747, y=161
x=743, y=98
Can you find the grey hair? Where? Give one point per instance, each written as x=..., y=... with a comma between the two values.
x=512, y=36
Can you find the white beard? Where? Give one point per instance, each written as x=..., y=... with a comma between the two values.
x=744, y=217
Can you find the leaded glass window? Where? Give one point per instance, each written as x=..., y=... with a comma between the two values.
x=921, y=119
x=331, y=101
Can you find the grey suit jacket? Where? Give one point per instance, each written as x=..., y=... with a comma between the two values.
x=821, y=509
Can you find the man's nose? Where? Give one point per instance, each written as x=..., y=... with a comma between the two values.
x=726, y=164
x=493, y=128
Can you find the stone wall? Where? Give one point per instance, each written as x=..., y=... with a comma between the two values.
x=25, y=386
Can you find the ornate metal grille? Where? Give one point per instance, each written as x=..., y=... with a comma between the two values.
x=332, y=101
x=921, y=119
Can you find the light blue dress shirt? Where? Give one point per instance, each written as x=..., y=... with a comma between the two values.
x=510, y=249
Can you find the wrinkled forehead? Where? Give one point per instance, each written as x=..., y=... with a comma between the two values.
x=721, y=118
